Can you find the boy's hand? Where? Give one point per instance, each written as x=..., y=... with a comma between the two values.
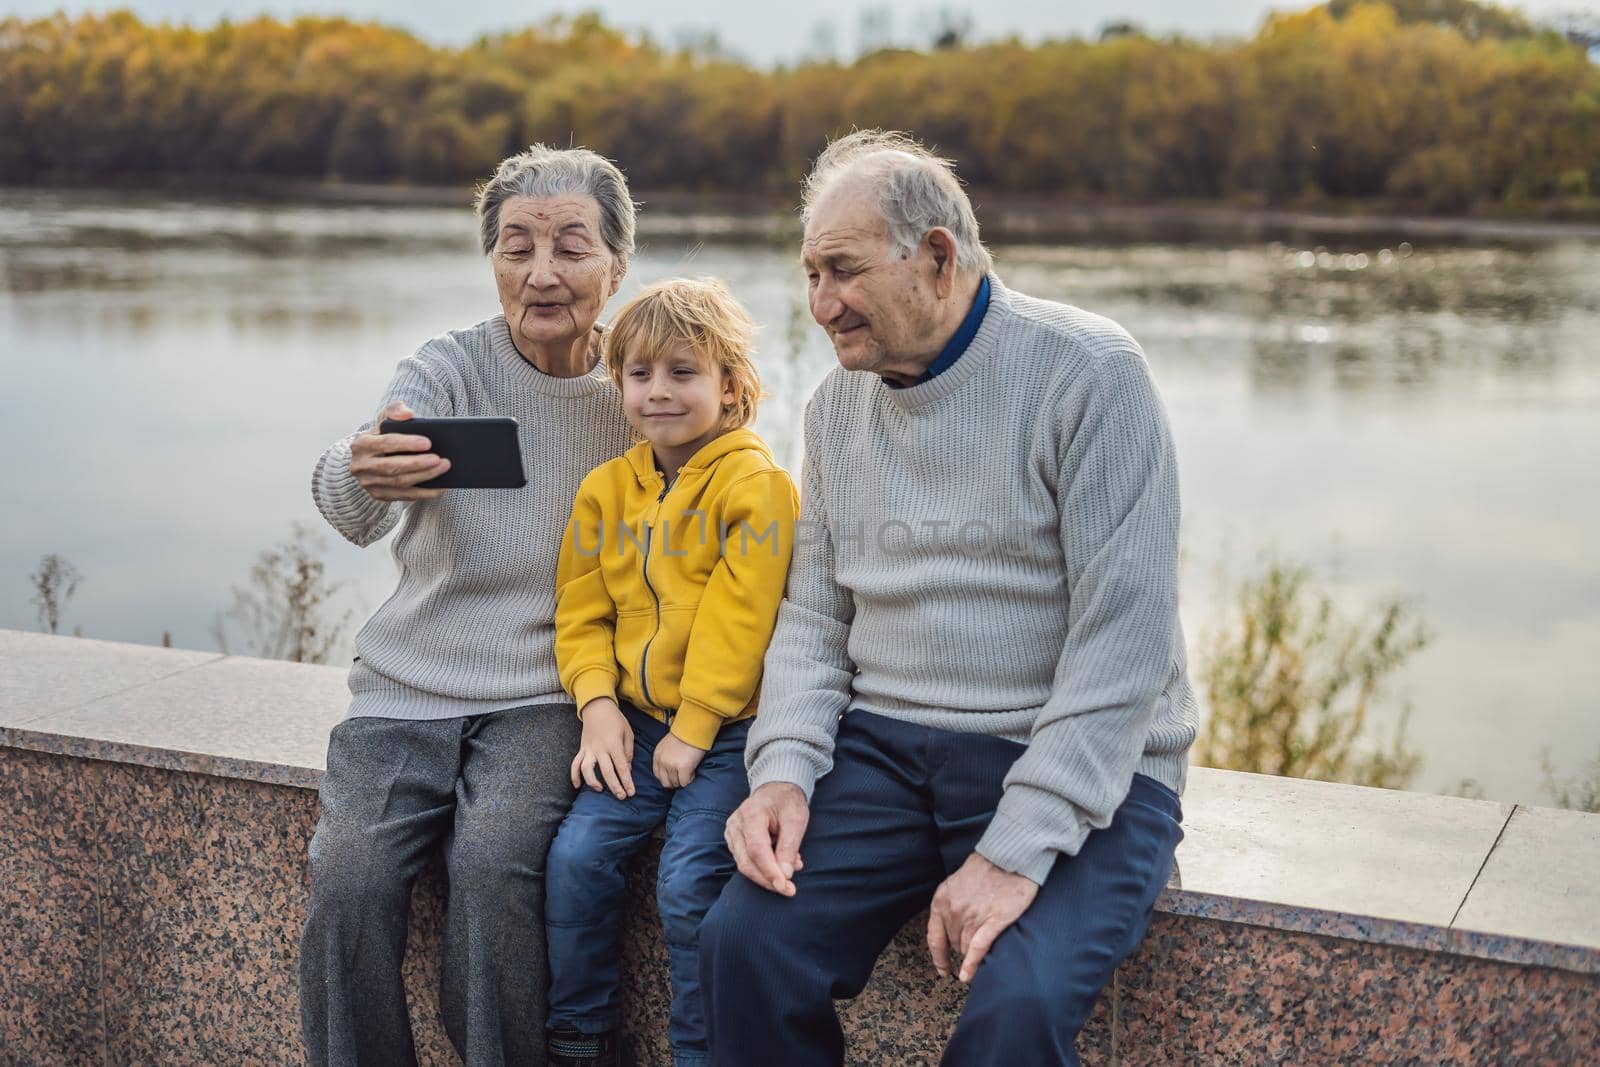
x=606, y=750
x=675, y=762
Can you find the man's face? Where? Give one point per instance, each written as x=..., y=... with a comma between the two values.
x=876, y=303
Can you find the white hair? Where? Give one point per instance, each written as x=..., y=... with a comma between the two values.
x=544, y=171
x=915, y=190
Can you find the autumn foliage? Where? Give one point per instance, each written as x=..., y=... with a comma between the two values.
x=1341, y=102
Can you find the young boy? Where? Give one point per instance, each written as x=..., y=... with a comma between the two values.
x=668, y=588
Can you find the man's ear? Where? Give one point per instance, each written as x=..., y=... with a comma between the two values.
x=942, y=245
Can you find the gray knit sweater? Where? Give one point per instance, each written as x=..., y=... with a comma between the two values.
x=993, y=551
x=471, y=626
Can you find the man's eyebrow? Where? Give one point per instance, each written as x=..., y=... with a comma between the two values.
x=517, y=226
x=831, y=258
x=820, y=250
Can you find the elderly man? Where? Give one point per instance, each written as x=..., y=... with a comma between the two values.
x=977, y=693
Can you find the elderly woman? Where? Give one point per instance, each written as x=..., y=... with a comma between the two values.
x=458, y=733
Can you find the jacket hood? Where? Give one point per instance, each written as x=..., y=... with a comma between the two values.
x=642, y=458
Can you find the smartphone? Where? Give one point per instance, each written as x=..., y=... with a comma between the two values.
x=484, y=452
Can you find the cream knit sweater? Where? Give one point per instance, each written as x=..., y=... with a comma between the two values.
x=470, y=627
x=993, y=551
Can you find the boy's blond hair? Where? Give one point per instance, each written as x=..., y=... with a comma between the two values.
x=699, y=312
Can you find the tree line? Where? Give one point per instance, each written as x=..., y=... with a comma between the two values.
x=1341, y=101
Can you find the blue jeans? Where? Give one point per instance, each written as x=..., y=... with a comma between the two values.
x=584, y=904
x=902, y=809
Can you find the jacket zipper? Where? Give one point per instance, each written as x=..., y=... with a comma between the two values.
x=644, y=659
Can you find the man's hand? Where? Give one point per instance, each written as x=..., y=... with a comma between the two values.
x=972, y=908
x=675, y=761
x=389, y=465
x=606, y=750
x=775, y=813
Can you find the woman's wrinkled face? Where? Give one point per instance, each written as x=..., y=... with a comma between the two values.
x=553, y=270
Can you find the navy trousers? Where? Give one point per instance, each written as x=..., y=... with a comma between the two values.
x=584, y=910
x=902, y=809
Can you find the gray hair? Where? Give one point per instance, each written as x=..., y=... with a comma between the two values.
x=544, y=171
x=915, y=190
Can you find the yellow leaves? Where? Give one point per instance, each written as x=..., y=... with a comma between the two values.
x=1370, y=22
x=1333, y=101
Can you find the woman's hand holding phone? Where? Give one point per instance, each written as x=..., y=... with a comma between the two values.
x=390, y=465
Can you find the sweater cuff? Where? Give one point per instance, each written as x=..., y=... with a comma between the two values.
x=1024, y=837
x=782, y=763
x=349, y=508
x=592, y=683
x=697, y=725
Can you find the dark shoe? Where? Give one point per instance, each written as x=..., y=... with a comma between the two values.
x=570, y=1048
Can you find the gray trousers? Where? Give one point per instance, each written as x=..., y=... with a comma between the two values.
x=491, y=790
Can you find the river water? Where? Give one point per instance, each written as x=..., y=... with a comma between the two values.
x=1421, y=422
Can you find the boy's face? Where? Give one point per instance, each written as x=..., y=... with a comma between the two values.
x=675, y=402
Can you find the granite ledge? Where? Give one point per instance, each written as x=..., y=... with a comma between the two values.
x=41, y=674
x=1277, y=853
x=228, y=716
x=168, y=759
x=1455, y=941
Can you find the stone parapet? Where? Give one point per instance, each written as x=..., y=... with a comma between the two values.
x=159, y=805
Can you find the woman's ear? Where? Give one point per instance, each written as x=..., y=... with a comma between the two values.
x=618, y=274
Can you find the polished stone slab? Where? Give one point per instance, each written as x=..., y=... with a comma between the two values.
x=196, y=889
x=1583, y=958
x=255, y=719
x=1376, y=866
x=1542, y=881
x=158, y=918
x=43, y=673
x=1376, y=853
x=1203, y=992
x=201, y=899
x=51, y=864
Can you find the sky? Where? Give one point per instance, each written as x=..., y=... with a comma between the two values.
x=760, y=33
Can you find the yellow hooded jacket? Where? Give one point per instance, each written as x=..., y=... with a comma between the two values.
x=667, y=597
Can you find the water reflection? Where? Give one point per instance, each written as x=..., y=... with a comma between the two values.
x=1409, y=358
x=1385, y=318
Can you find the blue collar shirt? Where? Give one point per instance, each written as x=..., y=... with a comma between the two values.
x=957, y=344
